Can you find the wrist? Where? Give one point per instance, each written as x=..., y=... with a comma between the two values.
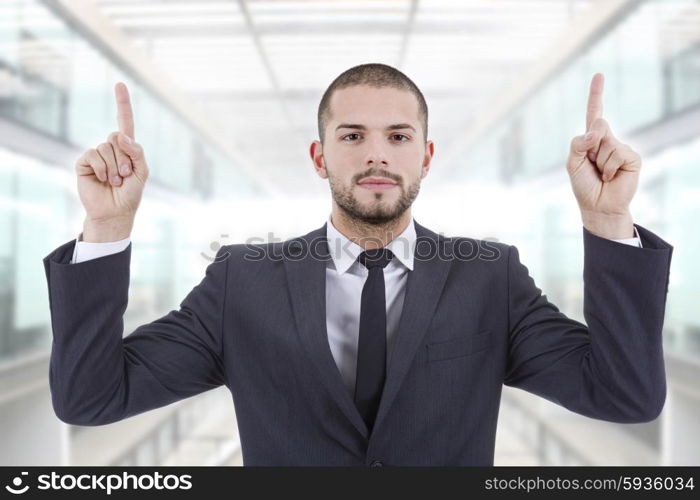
x=610, y=226
x=107, y=230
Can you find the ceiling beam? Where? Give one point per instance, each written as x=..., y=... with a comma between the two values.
x=309, y=94
x=85, y=17
x=591, y=25
x=406, y=35
x=267, y=65
x=311, y=28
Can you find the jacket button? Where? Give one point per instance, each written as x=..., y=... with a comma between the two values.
x=376, y=463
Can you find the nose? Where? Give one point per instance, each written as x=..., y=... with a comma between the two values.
x=371, y=161
x=376, y=156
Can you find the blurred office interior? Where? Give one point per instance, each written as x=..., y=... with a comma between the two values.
x=225, y=95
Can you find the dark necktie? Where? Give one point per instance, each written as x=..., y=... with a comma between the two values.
x=371, y=348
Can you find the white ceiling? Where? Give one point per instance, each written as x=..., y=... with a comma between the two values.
x=258, y=68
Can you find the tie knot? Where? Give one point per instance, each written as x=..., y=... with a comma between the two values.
x=376, y=257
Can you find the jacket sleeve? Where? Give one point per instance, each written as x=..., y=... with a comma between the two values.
x=96, y=375
x=612, y=369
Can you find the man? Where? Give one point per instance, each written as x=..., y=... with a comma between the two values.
x=371, y=340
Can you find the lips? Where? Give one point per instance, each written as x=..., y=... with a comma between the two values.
x=377, y=181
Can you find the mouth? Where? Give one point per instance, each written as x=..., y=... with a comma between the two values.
x=377, y=183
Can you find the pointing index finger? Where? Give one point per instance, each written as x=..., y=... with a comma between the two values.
x=125, y=115
x=595, y=100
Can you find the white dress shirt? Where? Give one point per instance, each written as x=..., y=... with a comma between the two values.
x=345, y=278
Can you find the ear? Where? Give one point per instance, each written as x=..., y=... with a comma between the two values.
x=427, y=158
x=316, y=152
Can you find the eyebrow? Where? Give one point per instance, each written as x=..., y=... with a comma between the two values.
x=357, y=126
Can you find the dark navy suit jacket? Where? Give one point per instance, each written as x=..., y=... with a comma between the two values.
x=473, y=320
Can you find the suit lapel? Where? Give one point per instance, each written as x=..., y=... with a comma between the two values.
x=305, y=260
x=423, y=289
x=307, y=290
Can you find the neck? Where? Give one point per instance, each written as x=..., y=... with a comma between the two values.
x=368, y=235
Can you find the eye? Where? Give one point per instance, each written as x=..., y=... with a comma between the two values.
x=354, y=133
x=401, y=135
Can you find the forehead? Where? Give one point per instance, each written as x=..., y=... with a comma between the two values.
x=368, y=105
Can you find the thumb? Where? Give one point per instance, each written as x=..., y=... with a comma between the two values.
x=601, y=131
x=581, y=144
x=134, y=151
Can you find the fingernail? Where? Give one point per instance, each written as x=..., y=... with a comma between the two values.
x=124, y=169
x=588, y=136
x=116, y=180
x=127, y=139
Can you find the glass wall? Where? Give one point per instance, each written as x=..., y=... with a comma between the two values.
x=55, y=83
x=651, y=74
x=35, y=210
x=672, y=204
x=651, y=65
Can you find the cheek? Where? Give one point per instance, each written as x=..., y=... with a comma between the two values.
x=338, y=175
x=411, y=156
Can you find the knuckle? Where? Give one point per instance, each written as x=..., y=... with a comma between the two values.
x=84, y=157
x=600, y=124
x=94, y=157
x=575, y=144
x=632, y=153
x=120, y=155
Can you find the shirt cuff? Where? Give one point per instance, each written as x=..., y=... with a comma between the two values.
x=636, y=241
x=84, y=250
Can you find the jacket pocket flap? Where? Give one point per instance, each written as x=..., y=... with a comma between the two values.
x=460, y=346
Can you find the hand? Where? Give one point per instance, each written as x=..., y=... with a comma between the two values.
x=604, y=172
x=111, y=178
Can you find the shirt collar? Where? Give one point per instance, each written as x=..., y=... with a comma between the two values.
x=345, y=252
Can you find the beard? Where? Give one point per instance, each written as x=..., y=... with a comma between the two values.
x=378, y=211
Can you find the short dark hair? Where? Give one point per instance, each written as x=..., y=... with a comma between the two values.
x=375, y=75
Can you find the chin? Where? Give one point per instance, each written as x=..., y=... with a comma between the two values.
x=382, y=212
x=383, y=194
